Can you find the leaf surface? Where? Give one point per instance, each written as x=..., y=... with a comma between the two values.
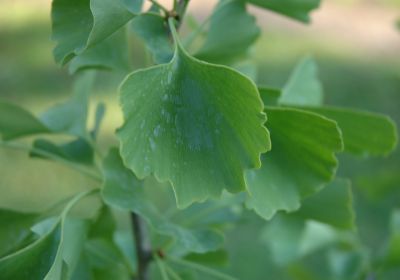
x=123, y=190
x=296, y=9
x=301, y=161
x=303, y=87
x=364, y=133
x=232, y=31
x=195, y=124
x=80, y=24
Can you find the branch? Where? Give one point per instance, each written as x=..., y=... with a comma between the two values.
x=143, y=247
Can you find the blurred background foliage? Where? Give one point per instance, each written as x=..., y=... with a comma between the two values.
x=356, y=46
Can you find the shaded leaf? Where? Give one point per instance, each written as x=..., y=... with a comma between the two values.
x=364, y=133
x=302, y=160
x=17, y=122
x=303, y=87
x=76, y=151
x=98, y=117
x=297, y=9
x=123, y=190
x=15, y=230
x=392, y=254
x=232, y=31
x=195, y=124
x=54, y=255
x=153, y=30
x=269, y=96
x=110, y=54
x=332, y=206
x=80, y=24
x=71, y=116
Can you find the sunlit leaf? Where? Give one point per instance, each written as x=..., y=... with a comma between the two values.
x=232, y=31
x=123, y=190
x=301, y=161
x=195, y=124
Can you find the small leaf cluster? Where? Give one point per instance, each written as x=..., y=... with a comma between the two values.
x=195, y=122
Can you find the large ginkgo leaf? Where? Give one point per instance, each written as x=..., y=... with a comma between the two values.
x=195, y=124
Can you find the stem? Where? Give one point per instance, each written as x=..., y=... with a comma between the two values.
x=143, y=247
x=161, y=7
x=81, y=169
x=180, y=10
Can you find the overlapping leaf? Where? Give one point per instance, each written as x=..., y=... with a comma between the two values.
x=364, y=133
x=316, y=225
x=152, y=29
x=302, y=160
x=54, y=255
x=303, y=87
x=232, y=31
x=195, y=124
x=123, y=190
x=80, y=24
x=297, y=9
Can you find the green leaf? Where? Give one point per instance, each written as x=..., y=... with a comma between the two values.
x=68, y=117
x=17, y=122
x=98, y=118
x=232, y=31
x=269, y=96
x=195, y=124
x=80, y=24
x=123, y=190
x=364, y=133
x=296, y=9
x=216, y=258
x=302, y=160
x=392, y=253
x=332, y=206
x=76, y=151
x=110, y=54
x=303, y=87
x=71, y=116
x=54, y=255
x=14, y=230
x=153, y=30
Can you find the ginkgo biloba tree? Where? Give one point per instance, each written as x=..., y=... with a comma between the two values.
x=196, y=124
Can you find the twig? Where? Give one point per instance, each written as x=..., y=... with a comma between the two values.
x=143, y=247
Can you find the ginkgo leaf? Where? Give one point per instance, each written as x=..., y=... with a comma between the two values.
x=195, y=124
x=17, y=122
x=80, y=24
x=54, y=255
x=303, y=87
x=232, y=31
x=110, y=54
x=301, y=161
x=364, y=133
x=297, y=9
x=15, y=230
x=123, y=190
x=68, y=117
x=153, y=30
x=333, y=206
x=270, y=96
